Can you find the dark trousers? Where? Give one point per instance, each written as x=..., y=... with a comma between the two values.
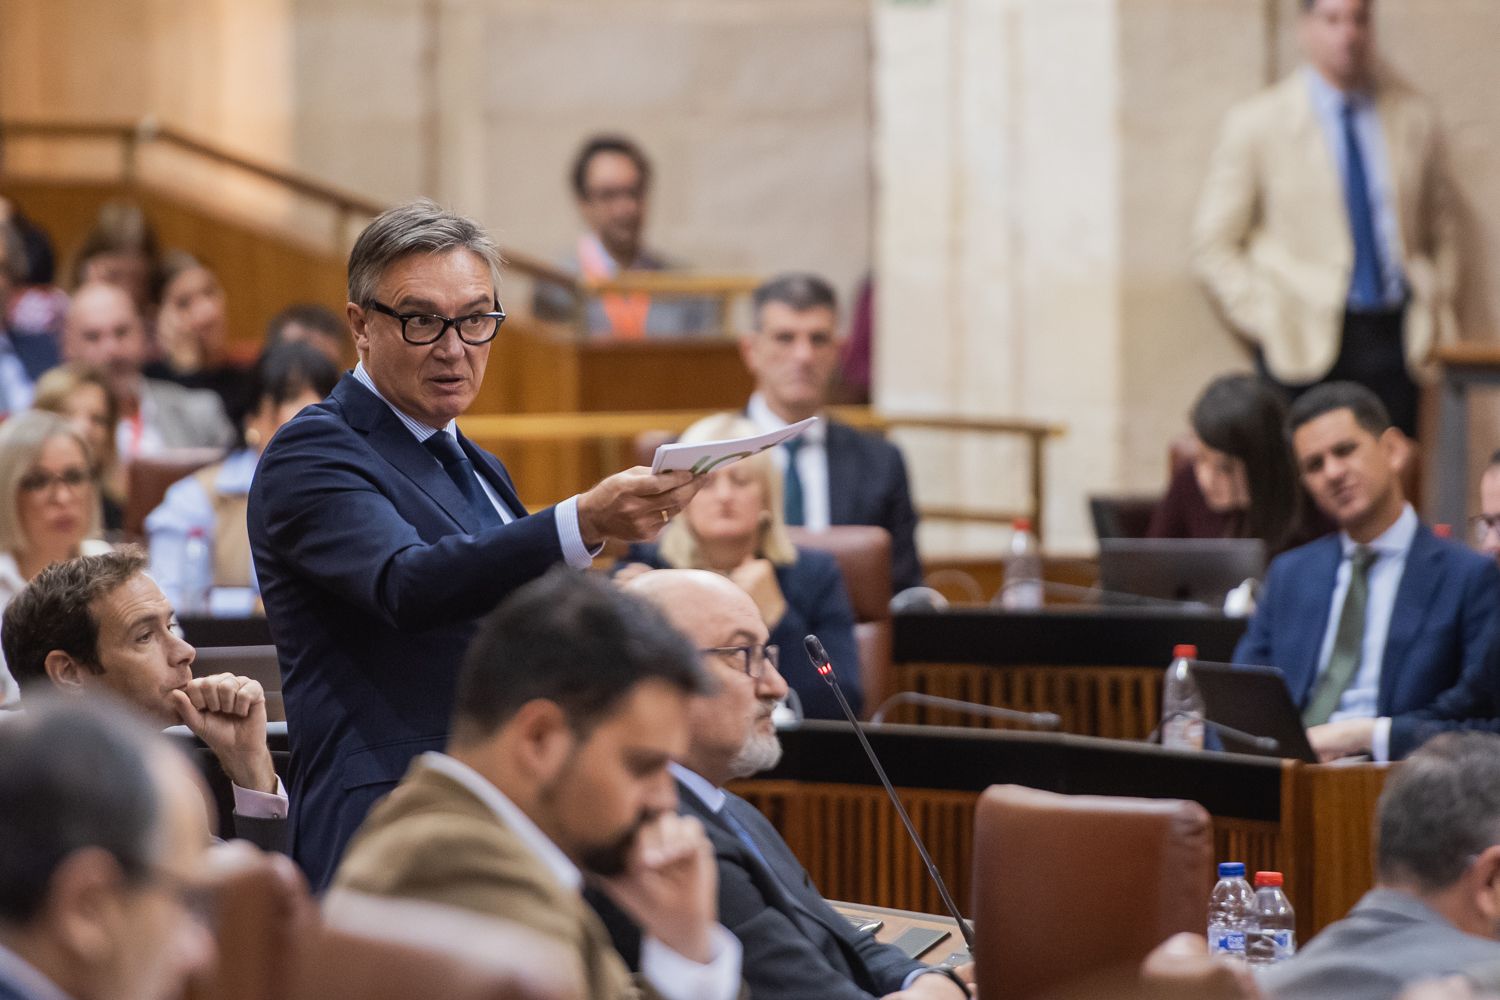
x=1370, y=353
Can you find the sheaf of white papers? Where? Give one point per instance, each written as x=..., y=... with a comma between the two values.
x=706, y=456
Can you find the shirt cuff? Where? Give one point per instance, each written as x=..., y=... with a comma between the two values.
x=260, y=805
x=1380, y=741
x=679, y=978
x=574, y=551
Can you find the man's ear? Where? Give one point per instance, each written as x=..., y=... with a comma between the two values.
x=545, y=740
x=83, y=905
x=1486, y=875
x=65, y=672
x=356, y=316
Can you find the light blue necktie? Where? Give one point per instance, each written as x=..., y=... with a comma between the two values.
x=1367, y=288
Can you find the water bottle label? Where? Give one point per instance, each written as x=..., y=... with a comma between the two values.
x=1286, y=944
x=1232, y=942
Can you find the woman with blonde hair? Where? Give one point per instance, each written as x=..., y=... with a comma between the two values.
x=80, y=394
x=49, y=504
x=734, y=526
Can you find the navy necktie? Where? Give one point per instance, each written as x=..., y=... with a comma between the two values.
x=792, y=492
x=459, y=469
x=1367, y=288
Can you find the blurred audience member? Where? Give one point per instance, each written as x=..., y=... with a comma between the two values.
x=734, y=526
x=40, y=259
x=212, y=500
x=1243, y=481
x=23, y=355
x=121, y=249
x=315, y=324
x=1433, y=910
x=1486, y=527
x=833, y=473
x=611, y=181
x=857, y=362
x=104, y=329
x=49, y=507
x=80, y=393
x=192, y=331
x=102, y=859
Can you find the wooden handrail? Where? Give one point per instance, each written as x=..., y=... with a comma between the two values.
x=345, y=204
x=607, y=429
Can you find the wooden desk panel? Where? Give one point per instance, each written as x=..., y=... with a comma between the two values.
x=1313, y=823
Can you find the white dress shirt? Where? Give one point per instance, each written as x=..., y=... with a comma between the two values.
x=569, y=536
x=812, y=461
x=1360, y=697
x=1328, y=105
x=28, y=977
x=673, y=976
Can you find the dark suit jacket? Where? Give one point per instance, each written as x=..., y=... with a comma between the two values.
x=37, y=352
x=797, y=947
x=1389, y=939
x=1435, y=672
x=867, y=485
x=373, y=573
x=817, y=603
x=267, y=834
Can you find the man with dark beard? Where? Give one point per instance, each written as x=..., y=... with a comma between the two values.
x=796, y=945
x=571, y=701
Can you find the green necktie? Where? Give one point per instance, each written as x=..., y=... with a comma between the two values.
x=792, y=512
x=1343, y=662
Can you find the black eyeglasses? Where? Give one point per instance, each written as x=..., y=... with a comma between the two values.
x=750, y=659
x=426, y=328
x=46, y=482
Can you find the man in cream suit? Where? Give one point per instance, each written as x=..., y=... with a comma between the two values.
x=572, y=700
x=1324, y=233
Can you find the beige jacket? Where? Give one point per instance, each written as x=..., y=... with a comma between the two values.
x=432, y=840
x=1271, y=240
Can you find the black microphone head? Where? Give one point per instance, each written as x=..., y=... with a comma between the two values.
x=819, y=657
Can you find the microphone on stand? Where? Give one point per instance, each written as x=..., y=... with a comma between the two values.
x=1036, y=720
x=824, y=666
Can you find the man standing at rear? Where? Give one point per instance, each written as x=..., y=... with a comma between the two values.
x=833, y=474
x=1325, y=231
x=380, y=534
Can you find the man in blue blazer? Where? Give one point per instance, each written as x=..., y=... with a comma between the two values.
x=1383, y=630
x=380, y=534
x=833, y=474
x=796, y=946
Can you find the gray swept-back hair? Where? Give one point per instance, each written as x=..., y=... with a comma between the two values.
x=419, y=226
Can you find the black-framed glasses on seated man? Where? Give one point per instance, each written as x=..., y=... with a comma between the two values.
x=750, y=659
x=427, y=328
x=1481, y=525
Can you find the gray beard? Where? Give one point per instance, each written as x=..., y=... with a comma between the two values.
x=761, y=752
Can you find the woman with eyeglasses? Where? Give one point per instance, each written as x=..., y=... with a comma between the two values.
x=734, y=526
x=49, y=503
x=212, y=502
x=80, y=394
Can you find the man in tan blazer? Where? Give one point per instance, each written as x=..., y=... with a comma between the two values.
x=571, y=702
x=1324, y=233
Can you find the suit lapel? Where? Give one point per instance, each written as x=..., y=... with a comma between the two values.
x=1419, y=581
x=1312, y=143
x=1395, y=129
x=843, y=473
x=368, y=414
x=1317, y=590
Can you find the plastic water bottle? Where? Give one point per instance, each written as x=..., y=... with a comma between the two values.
x=197, y=573
x=1275, y=936
x=1231, y=912
x=1023, y=569
x=1181, y=704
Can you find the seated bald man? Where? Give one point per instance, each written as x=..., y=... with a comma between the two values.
x=797, y=947
x=99, y=623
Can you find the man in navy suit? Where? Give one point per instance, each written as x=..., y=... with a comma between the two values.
x=380, y=534
x=1383, y=630
x=796, y=945
x=833, y=474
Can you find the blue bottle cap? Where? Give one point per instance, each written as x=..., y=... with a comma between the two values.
x=1232, y=869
